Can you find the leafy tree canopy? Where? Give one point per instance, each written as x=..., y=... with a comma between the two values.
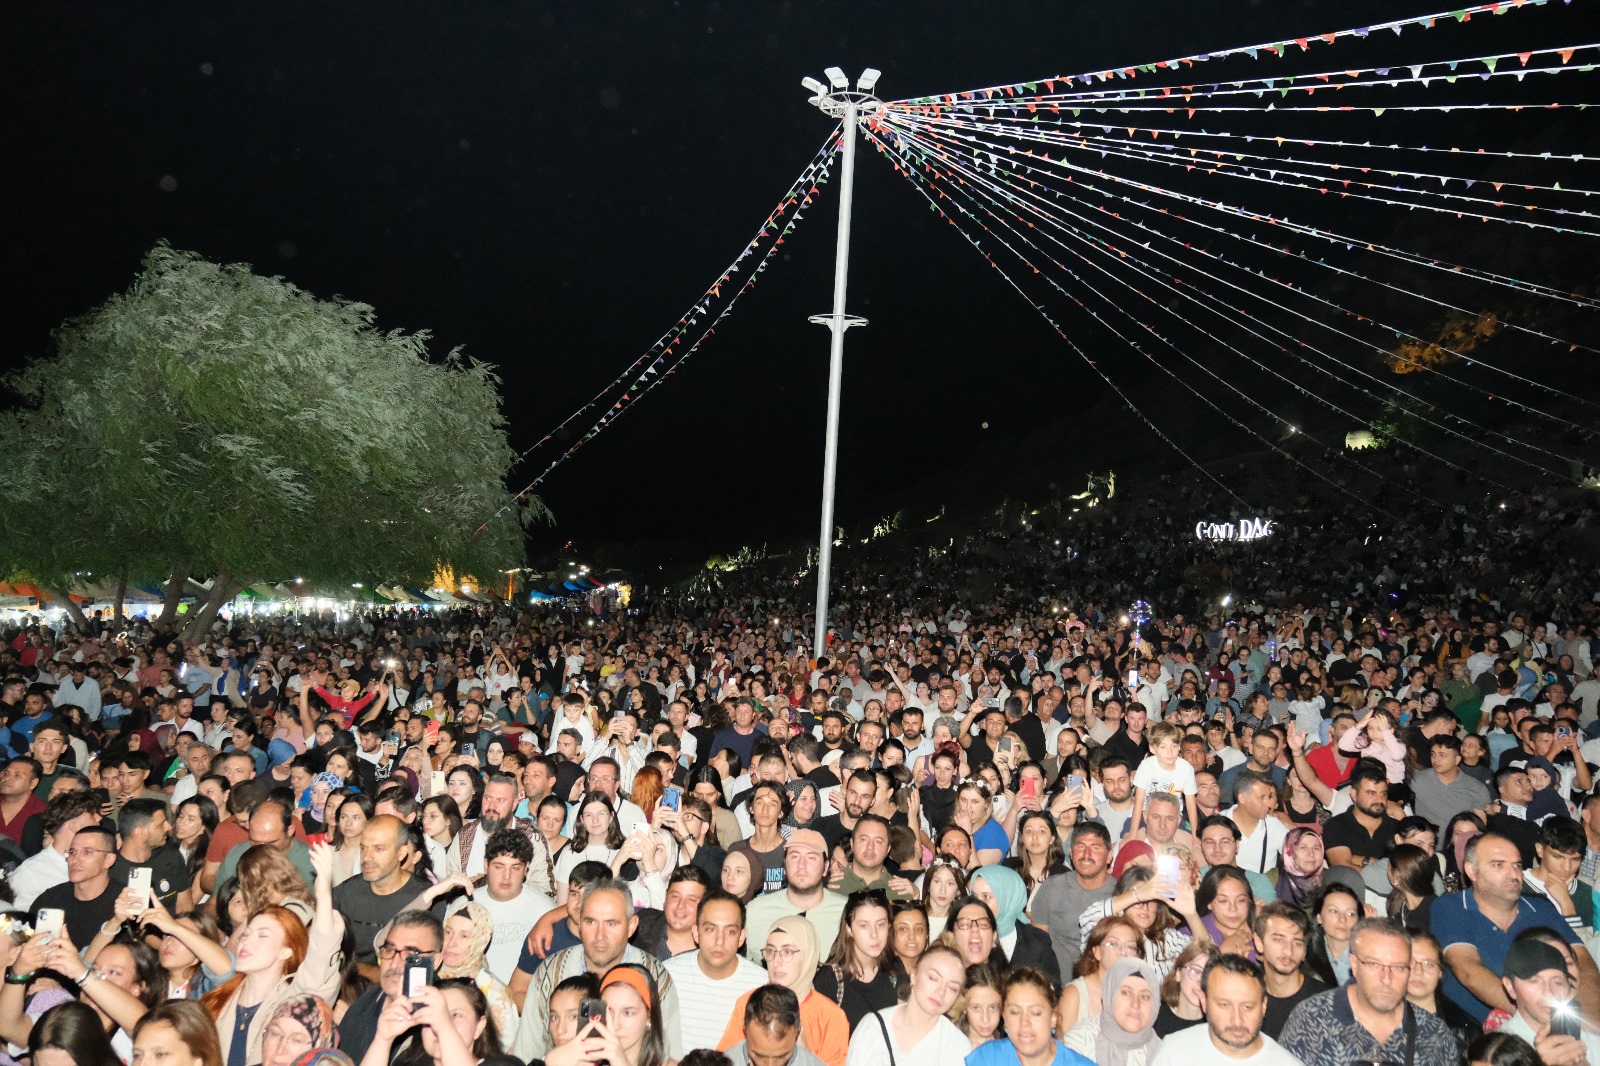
x=215, y=423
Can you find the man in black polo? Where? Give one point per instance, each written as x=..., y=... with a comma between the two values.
x=1365, y=832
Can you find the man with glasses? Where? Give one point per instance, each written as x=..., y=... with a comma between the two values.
x=410, y=933
x=47, y=867
x=1369, y=1018
x=89, y=896
x=805, y=872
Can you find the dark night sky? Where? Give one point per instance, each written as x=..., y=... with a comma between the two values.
x=551, y=185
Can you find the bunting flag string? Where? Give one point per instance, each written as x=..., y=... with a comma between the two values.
x=1026, y=168
x=1276, y=49
x=662, y=359
x=1120, y=253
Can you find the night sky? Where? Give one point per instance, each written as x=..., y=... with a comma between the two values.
x=550, y=186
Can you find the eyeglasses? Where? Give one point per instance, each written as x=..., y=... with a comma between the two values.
x=1424, y=966
x=967, y=925
x=292, y=1039
x=1195, y=970
x=786, y=954
x=1396, y=969
x=389, y=951
x=84, y=853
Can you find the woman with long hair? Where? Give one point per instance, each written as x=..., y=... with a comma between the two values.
x=191, y=950
x=1458, y=833
x=123, y=984
x=1022, y=943
x=943, y=884
x=1181, y=992
x=465, y=785
x=1227, y=909
x=466, y=941
x=1422, y=989
x=71, y=1034
x=647, y=790
x=178, y=1032
x=1300, y=865
x=1111, y=939
x=792, y=954
x=300, y=1024
x=456, y=1029
x=917, y=1029
x=1337, y=910
x=551, y=818
x=908, y=933
x=278, y=959
x=1123, y=1033
x=1159, y=917
x=633, y=1032
x=349, y=825
x=267, y=878
x=596, y=836
x=978, y=1012
x=706, y=782
x=738, y=879
x=1411, y=874
x=861, y=973
x=1039, y=853
x=192, y=827
x=441, y=825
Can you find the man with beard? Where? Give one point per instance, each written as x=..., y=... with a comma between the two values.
x=858, y=792
x=1064, y=896
x=1365, y=832
x=498, y=811
x=1116, y=778
x=805, y=871
x=1369, y=1018
x=1235, y=999
x=834, y=731
x=1281, y=933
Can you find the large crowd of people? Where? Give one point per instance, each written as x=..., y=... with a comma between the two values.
x=1036, y=827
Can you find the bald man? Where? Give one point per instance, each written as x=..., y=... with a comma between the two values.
x=384, y=889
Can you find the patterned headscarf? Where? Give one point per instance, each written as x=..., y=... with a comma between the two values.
x=333, y=782
x=482, y=930
x=314, y=1013
x=1298, y=887
x=324, y=1057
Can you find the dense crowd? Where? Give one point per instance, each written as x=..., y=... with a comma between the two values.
x=1025, y=828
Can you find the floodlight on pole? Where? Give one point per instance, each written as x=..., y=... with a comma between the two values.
x=813, y=86
x=845, y=105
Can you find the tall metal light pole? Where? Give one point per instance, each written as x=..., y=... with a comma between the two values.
x=840, y=101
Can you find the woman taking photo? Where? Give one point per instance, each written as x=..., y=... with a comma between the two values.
x=1028, y=1014
x=348, y=827
x=191, y=950
x=917, y=1029
x=125, y=982
x=467, y=933
x=632, y=1034
x=1111, y=939
x=278, y=959
x=456, y=1029
x=1023, y=944
x=943, y=884
x=860, y=973
x=1123, y=1034
x=791, y=955
x=1181, y=994
x=596, y=837
x=1157, y=909
x=177, y=1033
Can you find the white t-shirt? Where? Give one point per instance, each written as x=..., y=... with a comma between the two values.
x=944, y=1044
x=1153, y=778
x=1259, y=851
x=705, y=1005
x=1193, y=1047
x=513, y=921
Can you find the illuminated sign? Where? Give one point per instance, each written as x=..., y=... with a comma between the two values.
x=1243, y=530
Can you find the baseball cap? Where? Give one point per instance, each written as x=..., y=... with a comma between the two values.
x=1527, y=959
x=806, y=840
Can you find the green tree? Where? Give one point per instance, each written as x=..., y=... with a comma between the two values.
x=211, y=423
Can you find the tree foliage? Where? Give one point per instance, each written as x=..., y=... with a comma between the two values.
x=212, y=422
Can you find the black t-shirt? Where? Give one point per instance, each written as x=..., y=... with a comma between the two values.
x=1278, y=1010
x=169, y=874
x=1121, y=744
x=832, y=829
x=1343, y=831
x=367, y=912
x=1031, y=730
x=822, y=777
x=359, y=1025
x=859, y=999
x=84, y=917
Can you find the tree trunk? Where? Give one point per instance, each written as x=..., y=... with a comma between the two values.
x=79, y=619
x=223, y=589
x=118, y=615
x=169, y=603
